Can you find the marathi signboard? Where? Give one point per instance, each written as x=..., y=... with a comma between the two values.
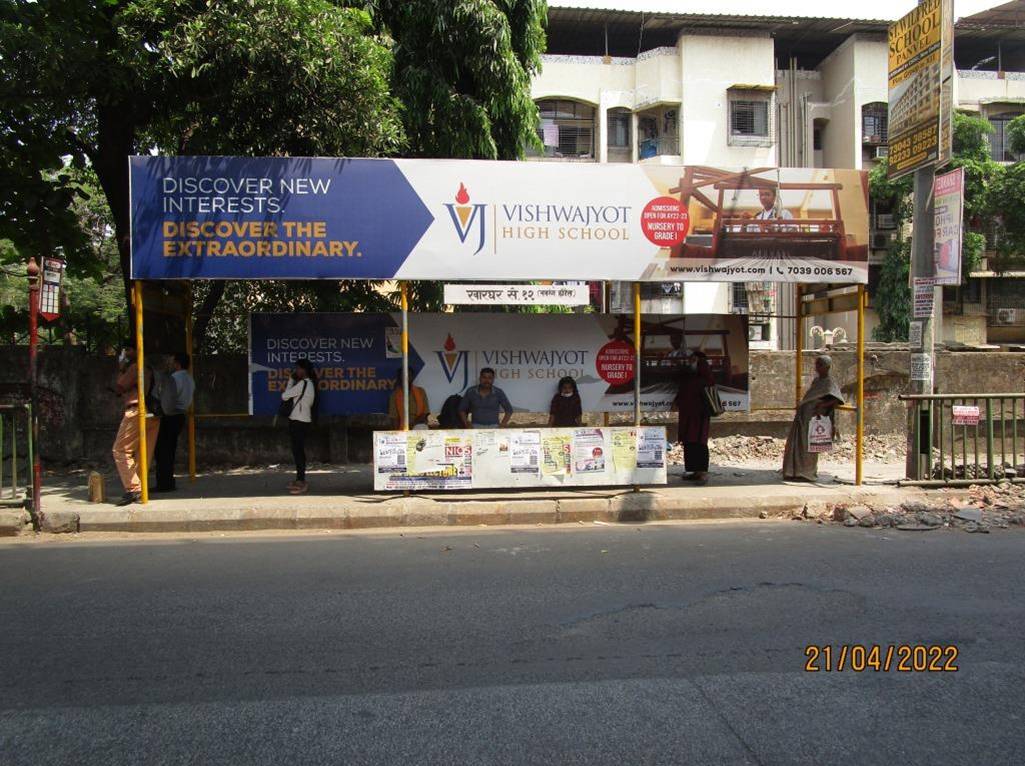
x=578, y=294
x=948, y=195
x=519, y=457
x=358, y=360
x=322, y=218
x=921, y=68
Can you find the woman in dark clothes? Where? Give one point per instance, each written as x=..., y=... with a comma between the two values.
x=566, y=410
x=695, y=377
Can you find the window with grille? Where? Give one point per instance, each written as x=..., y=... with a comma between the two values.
x=750, y=118
x=874, y=123
x=619, y=128
x=567, y=129
x=1005, y=293
x=739, y=298
x=999, y=143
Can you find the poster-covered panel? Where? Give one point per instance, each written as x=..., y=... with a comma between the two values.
x=335, y=218
x=519, y=457
x=357, y=358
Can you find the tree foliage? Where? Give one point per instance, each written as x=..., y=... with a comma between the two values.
x=990, y=195
x=86, y=83
x=462, y=72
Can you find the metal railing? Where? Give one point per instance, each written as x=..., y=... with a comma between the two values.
x=964, y=439
x=16, y=454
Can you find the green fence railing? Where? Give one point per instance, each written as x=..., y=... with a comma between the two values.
x=963, y=439
x=16, y=454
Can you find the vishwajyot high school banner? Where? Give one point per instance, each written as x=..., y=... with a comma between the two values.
x=323, y=218
x=357, y=358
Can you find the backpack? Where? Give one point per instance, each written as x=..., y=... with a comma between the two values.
x=449, y=415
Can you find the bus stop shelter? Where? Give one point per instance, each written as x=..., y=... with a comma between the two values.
x=196, y=218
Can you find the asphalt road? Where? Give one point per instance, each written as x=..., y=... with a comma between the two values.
x=589, y=645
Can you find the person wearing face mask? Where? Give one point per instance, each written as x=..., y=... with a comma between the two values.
x=565, y=411
x=126, y=444
x=695, y=377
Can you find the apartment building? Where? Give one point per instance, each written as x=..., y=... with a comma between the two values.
x=711, y=87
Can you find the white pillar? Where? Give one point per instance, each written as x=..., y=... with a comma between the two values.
x=603, y=132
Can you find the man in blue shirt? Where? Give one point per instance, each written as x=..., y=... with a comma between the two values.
x=175, y=399
x=481, y=403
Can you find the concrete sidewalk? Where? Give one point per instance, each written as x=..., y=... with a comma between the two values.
x=340, y=498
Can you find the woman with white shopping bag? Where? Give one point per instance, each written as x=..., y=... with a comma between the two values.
x=814, y=425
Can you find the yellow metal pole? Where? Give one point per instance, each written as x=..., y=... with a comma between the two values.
x=192, y=367
x=637, y=353
x=798, y=344
x=404, y=290
x=140, y=380
x=859, y=431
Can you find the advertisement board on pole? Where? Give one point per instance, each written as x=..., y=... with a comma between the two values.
x=948, y=196
x=470, y=220
x=357, y=363
x=920, y=87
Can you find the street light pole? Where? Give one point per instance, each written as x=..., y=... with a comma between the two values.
x=32, y=272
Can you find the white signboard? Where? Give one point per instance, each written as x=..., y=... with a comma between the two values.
x=965, y=415
x=577, y=294
x=922, y=296
x=921, y=369
x=519, y=457
x=948, y=191
x=915, y=334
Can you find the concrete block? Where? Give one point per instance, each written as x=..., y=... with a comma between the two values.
x=14, y=521
x=58, y=521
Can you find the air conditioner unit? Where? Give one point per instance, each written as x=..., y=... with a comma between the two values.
x=885, y=221
x=1006, y=316
x=881, y=240
x=882, y=152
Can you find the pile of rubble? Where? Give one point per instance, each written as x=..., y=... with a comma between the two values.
x=737, y=450
x=976, y=509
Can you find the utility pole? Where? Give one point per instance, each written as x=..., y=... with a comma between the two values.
x=923, y=352
x=32, y=272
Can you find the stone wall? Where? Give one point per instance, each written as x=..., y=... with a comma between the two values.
x=79, y=413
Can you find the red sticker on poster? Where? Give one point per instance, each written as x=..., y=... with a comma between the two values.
x=615, y=362
x=665, y=221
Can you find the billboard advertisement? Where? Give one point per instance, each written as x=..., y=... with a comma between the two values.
x=921, y=68
x=948, y=196
x=470, y=220
x=357, y=357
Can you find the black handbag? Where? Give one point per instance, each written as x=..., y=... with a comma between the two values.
x=287, y=405
x=153, y=406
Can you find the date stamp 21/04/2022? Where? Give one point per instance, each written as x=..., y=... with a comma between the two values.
x=881, y=658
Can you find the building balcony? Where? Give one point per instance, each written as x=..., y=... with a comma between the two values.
x=658, y=147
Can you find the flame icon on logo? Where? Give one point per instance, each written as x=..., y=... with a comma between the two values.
x=463, y=209
x=451, y=355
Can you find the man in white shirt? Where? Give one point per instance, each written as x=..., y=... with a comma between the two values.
x=772, y=210
x=175, y=399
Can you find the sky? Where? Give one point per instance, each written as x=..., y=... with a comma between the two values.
x=888, y=10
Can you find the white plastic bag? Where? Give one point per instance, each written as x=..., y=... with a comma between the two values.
x=820, y=434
